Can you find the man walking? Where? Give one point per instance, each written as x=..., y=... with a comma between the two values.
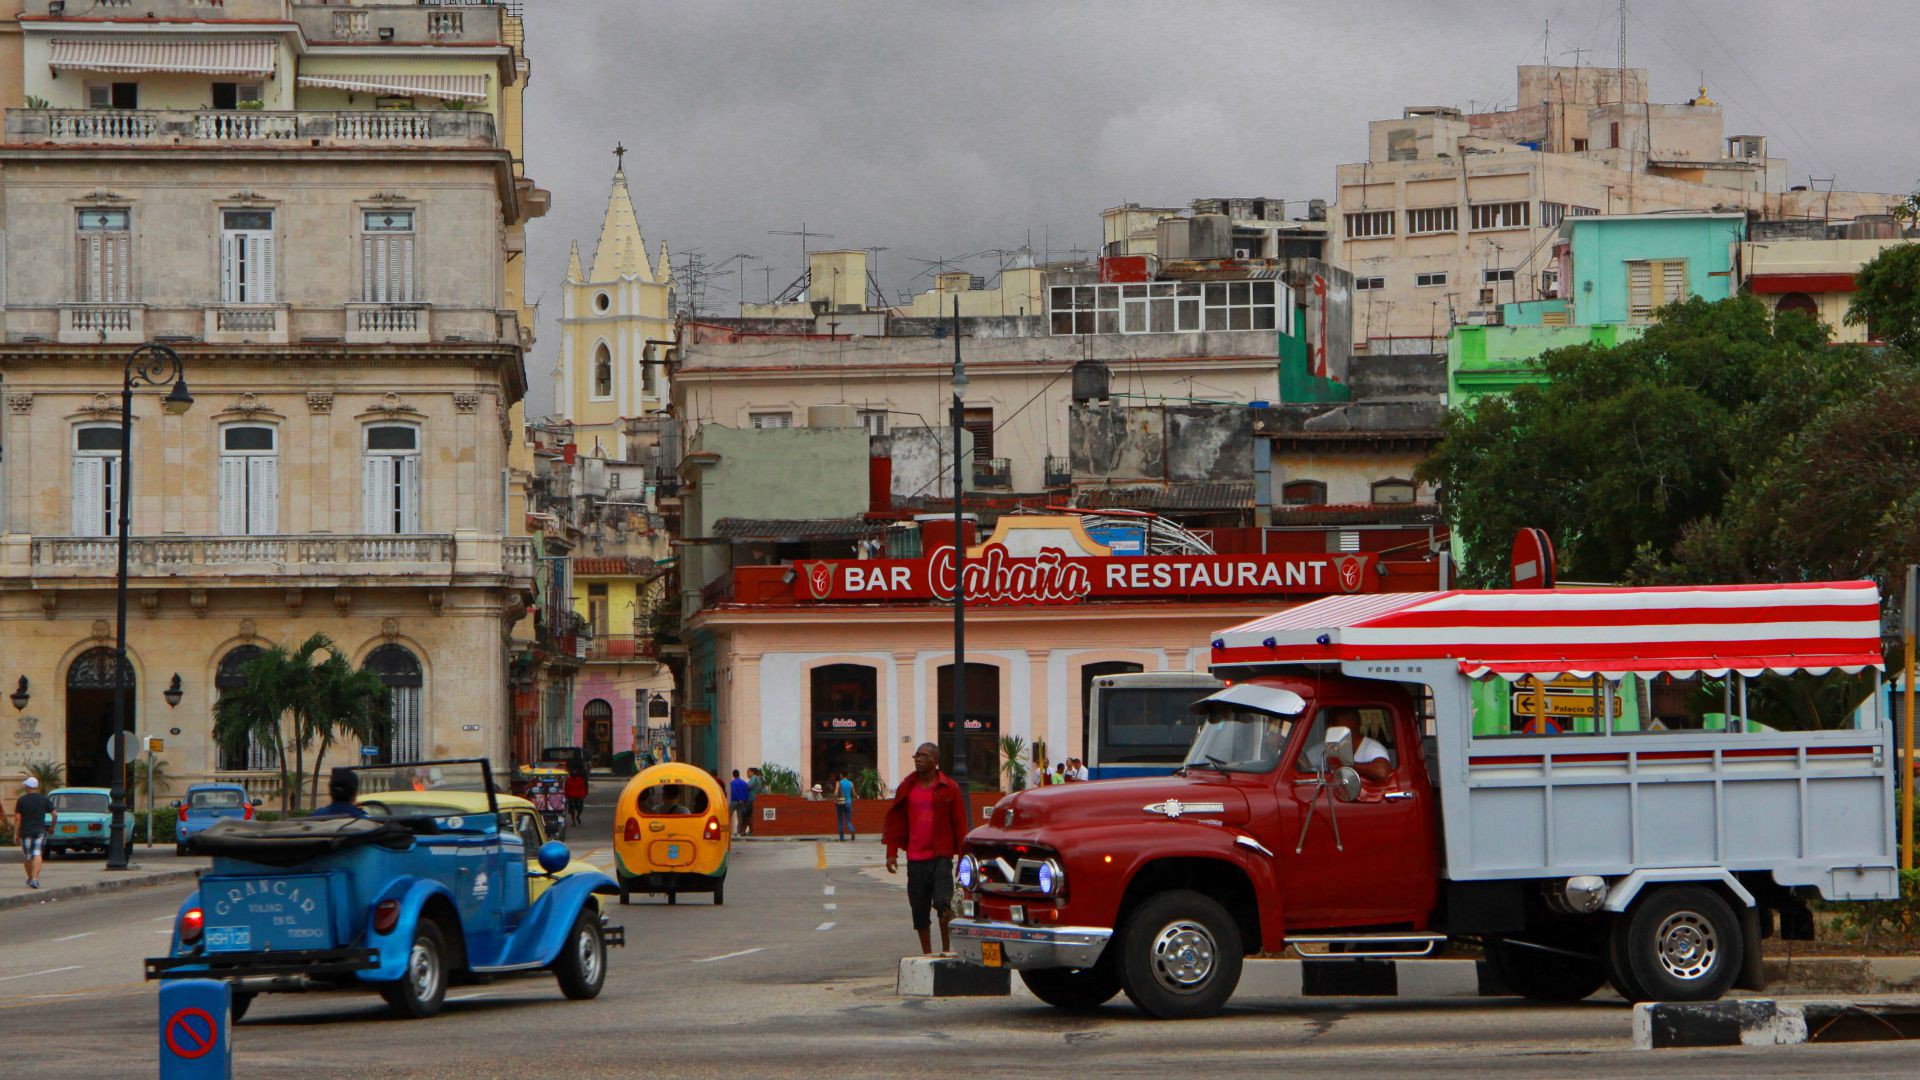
x=756, y=787
x=928, y=819
x=843, y=808
x=35, y=815
x=737, y=792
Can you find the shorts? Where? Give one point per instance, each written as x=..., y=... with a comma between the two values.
x=33, y=847
x=929, y=884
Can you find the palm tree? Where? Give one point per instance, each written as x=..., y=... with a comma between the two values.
x=345, y=702
x=1013, y=749
x=255, y=711
x=51, y=774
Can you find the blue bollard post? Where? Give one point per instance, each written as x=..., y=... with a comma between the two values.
x=194, y=1016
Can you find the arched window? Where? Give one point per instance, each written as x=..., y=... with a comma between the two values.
x=96, y=479
x=390, y=482
x=1798, y=301
x=1303, y=493
x=1393, y=491
x=602, y=372
x=846, y=720
x=259, y=753
x=249, y=480
x=399, y=669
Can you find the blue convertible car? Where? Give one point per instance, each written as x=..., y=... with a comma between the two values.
x=436, y=887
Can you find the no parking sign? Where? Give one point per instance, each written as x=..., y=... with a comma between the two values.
x=194, y=1014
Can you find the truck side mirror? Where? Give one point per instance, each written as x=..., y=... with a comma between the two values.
x=1339, y=747
x=1346, y=783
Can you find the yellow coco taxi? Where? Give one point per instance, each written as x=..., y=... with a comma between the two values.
x=517, y=816
x=670, y=834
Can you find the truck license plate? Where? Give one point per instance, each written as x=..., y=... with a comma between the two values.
x=990, y=953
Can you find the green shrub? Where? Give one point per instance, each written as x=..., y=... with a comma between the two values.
x=1888, y=923
x=780, y=779
x=868, y=785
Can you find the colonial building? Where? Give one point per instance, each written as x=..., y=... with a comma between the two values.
x=315, y=206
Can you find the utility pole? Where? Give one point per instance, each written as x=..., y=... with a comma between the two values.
x=959, y=573
x=1910, y=616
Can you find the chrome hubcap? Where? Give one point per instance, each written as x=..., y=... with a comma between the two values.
x=588, y=948
x=1687, y=945
x=1183, y=956
x=423, y=969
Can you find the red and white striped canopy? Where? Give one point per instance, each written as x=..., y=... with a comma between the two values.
x=1681, y=630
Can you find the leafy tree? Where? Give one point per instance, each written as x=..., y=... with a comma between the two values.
x=344, y=702
x=1620, y=448
x=1886, y=297
x=293, y=700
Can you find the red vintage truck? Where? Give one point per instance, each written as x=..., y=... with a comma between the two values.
x=1344, y=798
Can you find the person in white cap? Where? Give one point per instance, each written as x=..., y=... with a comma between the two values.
x=35, y=814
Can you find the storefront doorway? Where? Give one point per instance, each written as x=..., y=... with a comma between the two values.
x=846, y=717
x=90, y=717
x=981, y=728
x=597, y=724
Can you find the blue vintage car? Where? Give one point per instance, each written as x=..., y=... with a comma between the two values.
x=436, y=888
x=80, y=819
x=205, y=804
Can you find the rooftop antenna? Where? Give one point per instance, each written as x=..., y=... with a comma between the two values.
x=873, y=273
x=1622, y=65
x=803, y=234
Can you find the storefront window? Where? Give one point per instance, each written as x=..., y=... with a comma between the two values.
x=982, y=726
x=846, y=712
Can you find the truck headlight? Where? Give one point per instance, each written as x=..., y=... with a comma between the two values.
x=1051, y=877
x=964, y=871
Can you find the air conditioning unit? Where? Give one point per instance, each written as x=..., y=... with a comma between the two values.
x=1486, y=296
x=1242, y=253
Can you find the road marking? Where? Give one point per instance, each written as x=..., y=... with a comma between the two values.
x=831, y=907
x=819, y=855
x=164, y=918
x=471, y=997
x=729, y=956
x=163, y=931
x=84, y=933
x=828, y=891
x=824, y=926
x=58, y=970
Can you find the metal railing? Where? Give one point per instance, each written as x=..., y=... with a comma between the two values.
x=228, y=127
x=288, y=556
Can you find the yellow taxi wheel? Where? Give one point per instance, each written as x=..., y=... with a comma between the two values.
x=719, y=892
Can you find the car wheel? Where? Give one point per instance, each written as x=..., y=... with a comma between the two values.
x=1539, y=975
x=1683, y=944
x=719, y=892
x=624, y=892
x=1180, y=956
x=582, y=964
x=419, y=992
x=242, y=1001
x=1073, y=989
x=180, y=847
x=673, y=895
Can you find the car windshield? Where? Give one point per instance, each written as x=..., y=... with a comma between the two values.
x=673, y=799
x=1240, y=740
x=216, y=800
x=79, y=802
x=468, y=776
x=377, y=809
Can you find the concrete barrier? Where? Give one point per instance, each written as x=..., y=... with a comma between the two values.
x=1660, y=1025
x=947, y=976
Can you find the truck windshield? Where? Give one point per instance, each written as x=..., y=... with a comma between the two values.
x=1240, y=740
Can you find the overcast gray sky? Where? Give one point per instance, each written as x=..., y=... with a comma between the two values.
x=936, y=129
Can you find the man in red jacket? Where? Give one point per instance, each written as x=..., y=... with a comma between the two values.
x=929, y=819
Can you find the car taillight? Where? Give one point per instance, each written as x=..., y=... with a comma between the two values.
x=385, y=914
x=192, y=921
x=632, y=832
x=183, y=811
x=246, y=812
x=713, y=828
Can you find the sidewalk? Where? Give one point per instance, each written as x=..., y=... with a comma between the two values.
x=83, y=875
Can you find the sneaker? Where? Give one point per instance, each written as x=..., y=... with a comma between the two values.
x=34, y=884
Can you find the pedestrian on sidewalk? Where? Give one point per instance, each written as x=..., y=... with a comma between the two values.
x=928, y=819
x=737, y=791
x=36, y=816
x=843, y=808
x=756, y=787
x=576, y=793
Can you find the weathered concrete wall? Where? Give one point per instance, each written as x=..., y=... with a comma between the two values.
x=1164, y=443
x=1209, y=443
x=1400, y=376
x=923, y=462
x=780, y=473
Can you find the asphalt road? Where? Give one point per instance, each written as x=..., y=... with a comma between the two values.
x=792, y=977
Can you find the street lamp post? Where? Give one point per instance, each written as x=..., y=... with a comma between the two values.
x=959, y=573
x=151, y=364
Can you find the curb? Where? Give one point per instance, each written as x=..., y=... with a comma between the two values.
x=947, y=976
x=1762, y=1022
x=69, y=892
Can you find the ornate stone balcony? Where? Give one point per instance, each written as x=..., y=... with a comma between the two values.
x=389, y=324
x=105, y=324
x=318, y=559
x=244, y=128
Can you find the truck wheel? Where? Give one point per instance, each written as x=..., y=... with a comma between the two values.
x=242, y=1001
x=1073, y=989
x=1180, y=956
x=1544, y=976
x=1615, y=960
x=419, y=992
x=582, y=964
x=1682, y=944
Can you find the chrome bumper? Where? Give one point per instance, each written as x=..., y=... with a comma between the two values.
x=1024, y=946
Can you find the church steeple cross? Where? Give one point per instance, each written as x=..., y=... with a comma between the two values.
x=619, y=157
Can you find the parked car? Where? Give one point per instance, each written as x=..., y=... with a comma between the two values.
x=205, y=804
x=437, y=886
x=80, y=820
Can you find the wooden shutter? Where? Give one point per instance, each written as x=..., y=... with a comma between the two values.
x=260, y=268
x=232, y=247
x=506, y=501
x=386, y=268
x=1639, y=291
x=89, y=481
x=233, y=496
x=1671, y=278
x=376, y=494
x=263, y=496
x=409, y=494
x=369, y=269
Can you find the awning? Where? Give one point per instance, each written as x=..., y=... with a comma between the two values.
x=444, y=87
x=1682, y=631
x=245, y=56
